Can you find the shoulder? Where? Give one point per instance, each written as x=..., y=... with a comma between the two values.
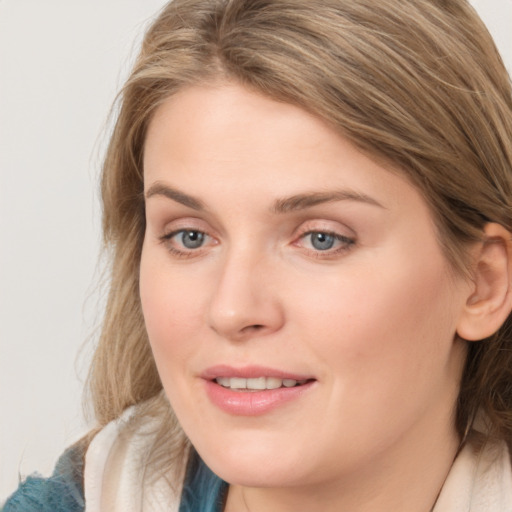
x=63, y=491
x=116, y=469
x=480, y=479
x=109, y=474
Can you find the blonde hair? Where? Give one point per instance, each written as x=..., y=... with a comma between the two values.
x=418, y=83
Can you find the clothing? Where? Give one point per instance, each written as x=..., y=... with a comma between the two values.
x=480, y=479
x=110, y=480
x=62, y=492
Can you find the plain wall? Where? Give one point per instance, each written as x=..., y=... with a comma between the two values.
x=61, y=63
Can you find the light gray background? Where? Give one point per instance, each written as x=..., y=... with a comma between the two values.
x=61, y=63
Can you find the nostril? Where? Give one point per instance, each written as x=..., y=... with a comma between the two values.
x=255, y=327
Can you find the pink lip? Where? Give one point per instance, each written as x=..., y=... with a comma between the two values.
x=248, y=372
x=252, y=403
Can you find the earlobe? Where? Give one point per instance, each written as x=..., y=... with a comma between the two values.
x=490, y=301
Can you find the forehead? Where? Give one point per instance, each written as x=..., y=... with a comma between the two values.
x=217, y=116
x=233, y=142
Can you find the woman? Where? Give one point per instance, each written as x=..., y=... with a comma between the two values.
x=308, y=207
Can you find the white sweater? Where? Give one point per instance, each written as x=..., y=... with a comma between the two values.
x=480, y=479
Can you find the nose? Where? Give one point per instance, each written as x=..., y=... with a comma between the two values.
x=245, y=301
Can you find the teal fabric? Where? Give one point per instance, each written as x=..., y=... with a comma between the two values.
x=203, y=491
x=62, y=492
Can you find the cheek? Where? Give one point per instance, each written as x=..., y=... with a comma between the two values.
x=171, y=310
x=377, y=327
x=384, y=342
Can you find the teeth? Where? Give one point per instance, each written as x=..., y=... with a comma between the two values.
x=258, y=383
x=223, y=381
x=238, y=383
x=274, y=383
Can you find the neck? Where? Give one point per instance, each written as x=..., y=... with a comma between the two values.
x=407, y=478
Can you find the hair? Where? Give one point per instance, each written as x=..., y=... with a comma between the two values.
x=418, y=84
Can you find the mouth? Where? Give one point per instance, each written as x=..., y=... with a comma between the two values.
x=254, y=391
x=258, y=383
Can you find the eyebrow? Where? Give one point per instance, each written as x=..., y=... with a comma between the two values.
x=159, y=189
x=308, y=200
x=293, y=203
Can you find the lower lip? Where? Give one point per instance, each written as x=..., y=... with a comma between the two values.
x=253, y=403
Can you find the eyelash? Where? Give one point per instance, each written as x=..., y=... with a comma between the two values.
x=345, y=243
x=187, y=253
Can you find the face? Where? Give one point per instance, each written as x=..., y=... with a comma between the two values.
x=298, y=305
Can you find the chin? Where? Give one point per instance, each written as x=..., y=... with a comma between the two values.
x=247, y=474
x=249, y=465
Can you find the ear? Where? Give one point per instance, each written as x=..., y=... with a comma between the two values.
x=490, y=301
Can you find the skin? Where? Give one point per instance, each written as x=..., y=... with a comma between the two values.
x=373, y=319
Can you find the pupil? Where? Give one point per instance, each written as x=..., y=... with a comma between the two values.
x=192, y=239
x=322, y=241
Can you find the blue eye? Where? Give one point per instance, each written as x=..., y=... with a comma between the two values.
x=187, y=242
x=329, y=243
x=322, y=241
x=190, y=239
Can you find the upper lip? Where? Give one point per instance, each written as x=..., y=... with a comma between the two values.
x=248, y=372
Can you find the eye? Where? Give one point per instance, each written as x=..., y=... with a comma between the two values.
x=322, y=241
x=325, y=241
x=186, y=241
x=190, y=239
